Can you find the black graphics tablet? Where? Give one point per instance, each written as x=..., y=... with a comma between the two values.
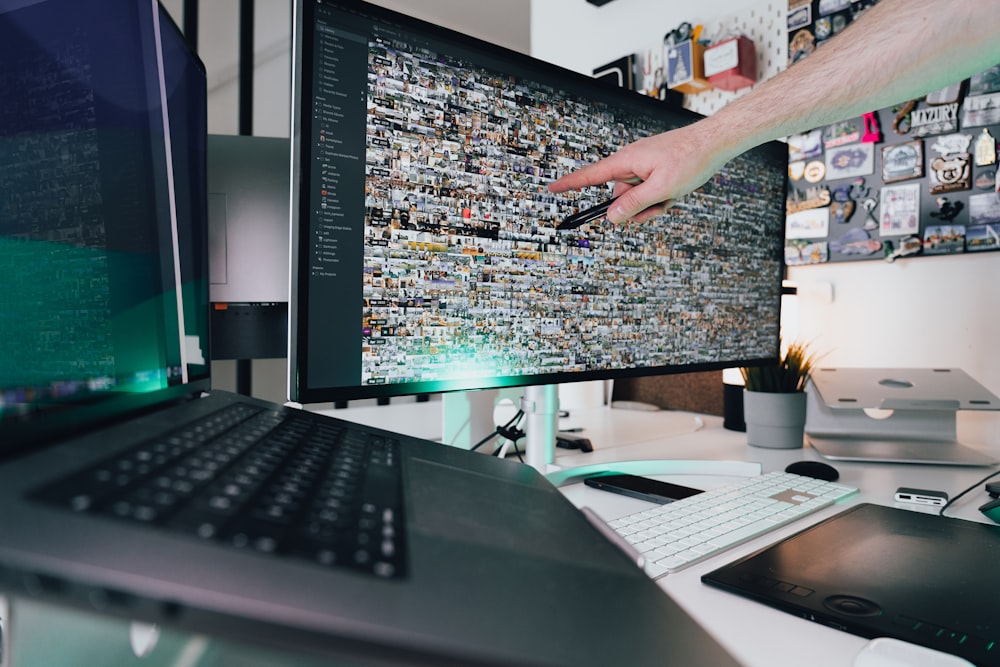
x=884, y=572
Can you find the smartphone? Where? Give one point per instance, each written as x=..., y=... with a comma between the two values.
x=643, y=488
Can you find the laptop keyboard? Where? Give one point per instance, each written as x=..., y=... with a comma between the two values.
x=673, y=536
x=271, y=481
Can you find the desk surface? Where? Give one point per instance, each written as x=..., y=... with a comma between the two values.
x=755, y=634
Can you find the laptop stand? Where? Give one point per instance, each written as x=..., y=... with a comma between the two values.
x=894, y=415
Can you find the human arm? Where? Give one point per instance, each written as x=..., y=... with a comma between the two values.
x=898, y=50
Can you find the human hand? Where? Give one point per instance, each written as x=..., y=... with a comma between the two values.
x=651, y=173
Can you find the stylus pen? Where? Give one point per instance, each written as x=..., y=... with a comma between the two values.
x=609, y=533
x=585, y=216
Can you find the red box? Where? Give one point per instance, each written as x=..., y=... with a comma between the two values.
x=732, y=63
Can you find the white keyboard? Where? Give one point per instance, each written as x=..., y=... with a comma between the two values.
x=673, y=536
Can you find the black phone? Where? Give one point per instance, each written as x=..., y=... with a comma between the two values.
x=643, y=488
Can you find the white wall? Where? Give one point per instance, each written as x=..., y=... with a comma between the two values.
x=579, y=36
x=926, y=311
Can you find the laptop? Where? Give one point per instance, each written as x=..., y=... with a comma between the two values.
x=879, y=571
x=110, y=432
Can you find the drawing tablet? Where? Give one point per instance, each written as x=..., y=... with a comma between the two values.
x=884, y=572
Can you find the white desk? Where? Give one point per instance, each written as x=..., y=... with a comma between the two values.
x=755, y=634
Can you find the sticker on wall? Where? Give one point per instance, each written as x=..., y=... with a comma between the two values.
x=856, y=242
x=870, y=204
x=947, y=95
x=873, y=133
x=841, y=212
x=796, y=170
x=809, y=224
x=905, y=247
x=814, y=171
x=850, y=161
x=859, y=190
x=823, y=28
x=983, y=237
x=947, y=210
x=899, y=210
x=903, y=161
x=901, y=121
x=944, y=239
x=952, y=169
x=842, y=133
x=987, y=81
x=800, y=45
x=827, y=7
x=987, y=180
x=802, y=200
x=927, y=120
x=842, y=193
x=986, y=148
x=984, y=209
x=802, y=251
x=799, y=17
x=980, y=110
x=805, y=146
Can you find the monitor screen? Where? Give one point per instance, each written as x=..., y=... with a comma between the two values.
x=425, y=255
x=100, y=219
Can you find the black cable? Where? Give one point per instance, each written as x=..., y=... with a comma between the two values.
x=966, y=491
x=503, y=431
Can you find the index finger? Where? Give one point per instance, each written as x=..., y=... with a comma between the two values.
x=598, y=173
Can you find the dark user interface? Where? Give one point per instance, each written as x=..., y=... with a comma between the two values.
x=433, y=252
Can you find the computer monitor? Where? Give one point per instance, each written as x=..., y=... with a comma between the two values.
x=425, y=255
x=103, y=207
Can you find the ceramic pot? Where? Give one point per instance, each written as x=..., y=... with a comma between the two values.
x=774, y=421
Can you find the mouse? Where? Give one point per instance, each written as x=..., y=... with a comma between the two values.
x=814, y=469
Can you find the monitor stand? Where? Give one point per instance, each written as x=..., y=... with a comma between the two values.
x=894, y=415
x=469, y=415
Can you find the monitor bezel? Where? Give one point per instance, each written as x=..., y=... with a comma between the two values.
x=298, y=351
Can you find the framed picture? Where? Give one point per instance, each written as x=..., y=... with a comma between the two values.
x=903, y=161
x=899, y=210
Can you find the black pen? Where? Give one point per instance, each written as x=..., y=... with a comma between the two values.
x=583, y=217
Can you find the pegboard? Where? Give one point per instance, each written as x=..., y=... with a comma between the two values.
x=766, y=23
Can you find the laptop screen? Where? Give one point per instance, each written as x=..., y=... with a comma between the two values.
x=99, y=247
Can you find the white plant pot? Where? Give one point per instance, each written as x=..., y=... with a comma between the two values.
x=774, y=421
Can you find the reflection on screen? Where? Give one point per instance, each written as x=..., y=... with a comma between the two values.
x=89, y=305
x=429, y=257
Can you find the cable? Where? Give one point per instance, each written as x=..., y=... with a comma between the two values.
x=508, y=430
x=971, y=488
